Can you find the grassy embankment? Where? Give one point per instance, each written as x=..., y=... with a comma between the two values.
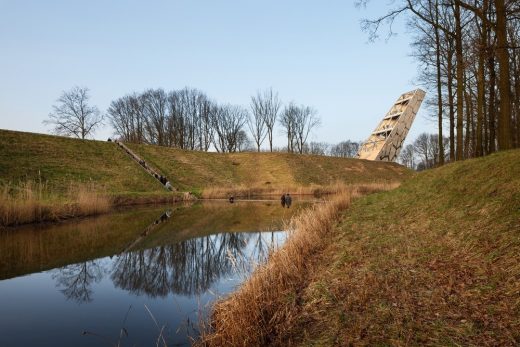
x=215, y=175
x=46, y=177
x=434, y=262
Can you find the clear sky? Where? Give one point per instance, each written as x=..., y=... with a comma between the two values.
x=311, y=52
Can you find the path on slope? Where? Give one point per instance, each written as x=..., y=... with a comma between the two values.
x=150, y=170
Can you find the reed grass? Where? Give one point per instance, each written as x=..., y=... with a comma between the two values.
x=264, y=306
x=29, y=202
x=245, y=191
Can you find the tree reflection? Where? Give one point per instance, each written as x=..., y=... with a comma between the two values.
x=76, y=280
x=189, y=267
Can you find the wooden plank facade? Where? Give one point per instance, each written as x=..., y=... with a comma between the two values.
x=386, y=140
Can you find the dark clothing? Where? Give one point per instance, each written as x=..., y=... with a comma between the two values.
x=232, y=199
x=163, y=180
x=288, y=200
x=282, y=199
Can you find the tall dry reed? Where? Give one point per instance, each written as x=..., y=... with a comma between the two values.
x=264, y=306
x=89, y=200
x=244, y=191
x=30, y=202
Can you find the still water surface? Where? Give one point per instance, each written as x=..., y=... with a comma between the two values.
x=124, y=277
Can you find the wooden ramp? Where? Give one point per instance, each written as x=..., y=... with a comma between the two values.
x=164, y=217
x=150, y=170
x=386, y=140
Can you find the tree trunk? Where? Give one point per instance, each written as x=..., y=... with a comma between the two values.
x=516, y=100
x=492, y=101
x=450, y=102
x=517, y=103
x=439, y=86
x=481, y=95
x=468, y=153
x=504, y=119
x=460, y=80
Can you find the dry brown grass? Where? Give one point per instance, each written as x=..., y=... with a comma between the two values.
x=30, y=202
x=196, y=171
x=433, y=263
x=245, y=191
x=263, y=307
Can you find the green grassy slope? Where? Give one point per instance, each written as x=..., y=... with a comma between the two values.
x=58, y=161
x=434, y=262
x=196, y=170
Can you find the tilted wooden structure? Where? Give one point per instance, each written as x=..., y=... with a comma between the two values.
x=386, y=140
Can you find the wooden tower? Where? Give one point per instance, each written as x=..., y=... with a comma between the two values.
x=386, y=140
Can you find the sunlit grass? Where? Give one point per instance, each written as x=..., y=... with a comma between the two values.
x=216, y=174
x=255, y=312
x=433, y=262
x=273, y=192
x=29, y=202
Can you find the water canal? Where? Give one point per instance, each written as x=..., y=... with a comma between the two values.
x=127, y=276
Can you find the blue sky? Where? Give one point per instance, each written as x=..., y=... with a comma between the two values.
x=311, y=52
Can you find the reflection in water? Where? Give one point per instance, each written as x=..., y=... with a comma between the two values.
x=172, y=263
x=36, y=248
x=75, y=280
x=163, y=218
x=188, y=267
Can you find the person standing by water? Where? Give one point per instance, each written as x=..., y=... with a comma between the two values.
x=283, y=200
x=288, y=200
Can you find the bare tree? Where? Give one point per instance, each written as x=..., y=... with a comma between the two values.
x=179, y=118
x=244, y=144
x=228, y=121
x=287, y=121
x=407, y=156
x=422, y=148
x=266, y=107
x=345, y=149
x=317, y=148
x=73, y=116
x=306, y=120
x=127, y=118
x=297, y=123
x=256, y=120
x=156, y=110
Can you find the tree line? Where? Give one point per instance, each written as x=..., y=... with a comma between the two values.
x=187, y=119
x=469, y=53
x=423, y=152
